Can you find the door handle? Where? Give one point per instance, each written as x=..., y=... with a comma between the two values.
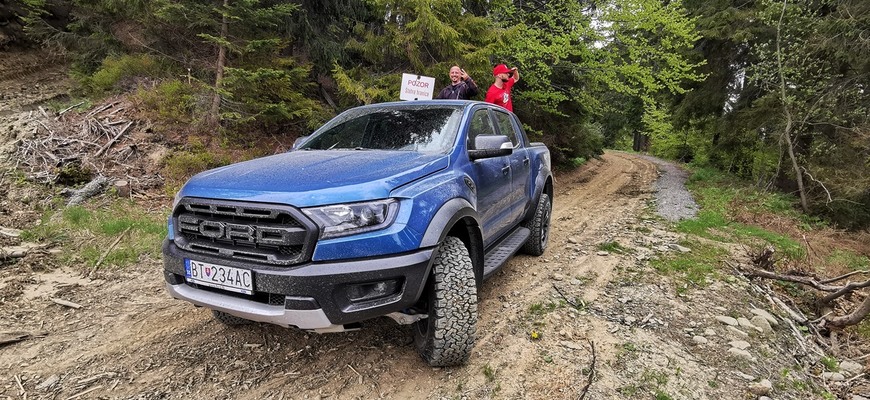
x=506, y=170
x=526, y=161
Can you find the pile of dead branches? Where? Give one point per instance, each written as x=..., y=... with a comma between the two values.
x=856, y=308
x=839, y=303
x=98, y=141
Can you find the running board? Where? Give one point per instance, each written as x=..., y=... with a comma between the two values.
x=499, y=254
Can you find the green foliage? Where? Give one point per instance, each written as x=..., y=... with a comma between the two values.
x=420, y=37
x=849, y=259
x=576, y=162
x=45, y=231
x=489, y=373
x=74, y=174
x=660, y=395
x=717, y=196
x=830, y=363
x=181, y=165
x=540, y=309
x=581, y=65
x=274, y=96
x=115, y=70
x=77, y=216
x=172, y=101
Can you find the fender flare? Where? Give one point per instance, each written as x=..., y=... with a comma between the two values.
x=540, y=187
x=444, y=220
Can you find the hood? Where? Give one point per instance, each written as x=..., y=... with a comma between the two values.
x=307, y=178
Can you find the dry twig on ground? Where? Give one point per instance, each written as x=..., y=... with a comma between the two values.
x=590, y=376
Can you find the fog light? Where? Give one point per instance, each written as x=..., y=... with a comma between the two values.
x=374, y=290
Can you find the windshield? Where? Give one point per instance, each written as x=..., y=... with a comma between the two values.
x=428, y=129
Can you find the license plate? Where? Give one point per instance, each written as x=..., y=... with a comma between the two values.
x=232, y=279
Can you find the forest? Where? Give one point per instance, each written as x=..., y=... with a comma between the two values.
x=773, y=91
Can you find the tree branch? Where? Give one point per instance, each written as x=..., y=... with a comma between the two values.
x=828, y=192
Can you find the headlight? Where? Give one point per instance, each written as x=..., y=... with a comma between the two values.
x=348, y=219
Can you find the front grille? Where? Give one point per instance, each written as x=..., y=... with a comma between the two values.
x=265, y=233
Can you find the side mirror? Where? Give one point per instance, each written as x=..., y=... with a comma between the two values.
x=489, y=146
x=298, y=142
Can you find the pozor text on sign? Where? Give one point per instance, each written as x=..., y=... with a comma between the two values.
x=416, y=87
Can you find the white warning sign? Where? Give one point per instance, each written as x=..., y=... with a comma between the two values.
x=417, y=87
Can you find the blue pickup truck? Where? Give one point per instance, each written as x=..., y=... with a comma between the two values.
x=397, y=209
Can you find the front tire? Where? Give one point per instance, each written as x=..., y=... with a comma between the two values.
x=445, y=338
x=540, y=227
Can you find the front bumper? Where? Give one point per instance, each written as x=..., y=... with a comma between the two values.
x=312, y=296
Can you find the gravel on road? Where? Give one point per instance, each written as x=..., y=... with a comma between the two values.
x=673, y=200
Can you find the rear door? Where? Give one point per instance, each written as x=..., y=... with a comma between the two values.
x=493, y=178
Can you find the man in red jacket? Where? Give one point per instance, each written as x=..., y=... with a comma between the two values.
x=500, y=91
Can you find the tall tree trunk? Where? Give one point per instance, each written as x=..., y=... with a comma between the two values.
x=219, y=70
x=789, y=120
x=640, y=142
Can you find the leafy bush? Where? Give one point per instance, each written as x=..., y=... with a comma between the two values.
x=172, y=101
x=181, y=165
x=115, y=69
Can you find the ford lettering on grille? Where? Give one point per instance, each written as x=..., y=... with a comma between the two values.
x=268, y=235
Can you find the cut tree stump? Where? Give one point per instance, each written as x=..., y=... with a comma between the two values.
x=122, y=188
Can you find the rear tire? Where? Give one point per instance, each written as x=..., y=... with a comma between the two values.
x=446, y=337
x=540, y=227
x=229, y=320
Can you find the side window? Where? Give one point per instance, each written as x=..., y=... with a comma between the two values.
x=481, y=124
x=506, y=127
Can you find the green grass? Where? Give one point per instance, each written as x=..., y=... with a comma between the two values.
x=849, y=259
x=489, y=373
x=46, y=231
x=693, y=267
x=830, y=363
x=77, y=216
x=89, y=236
x=660, y=395
x=539, y=309
x=718, y=194
x=863, y=328
x=577, y=162
x=612, y=247
x=181, y=165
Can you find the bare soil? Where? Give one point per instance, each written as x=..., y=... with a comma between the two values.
x=574, y=322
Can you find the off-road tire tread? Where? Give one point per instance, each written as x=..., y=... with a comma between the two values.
x=538, y=223
x=452, y=320
x=229, y=320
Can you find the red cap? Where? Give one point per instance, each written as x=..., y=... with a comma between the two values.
x=501, y=69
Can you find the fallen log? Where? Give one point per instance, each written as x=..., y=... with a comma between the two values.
x=93, y=188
